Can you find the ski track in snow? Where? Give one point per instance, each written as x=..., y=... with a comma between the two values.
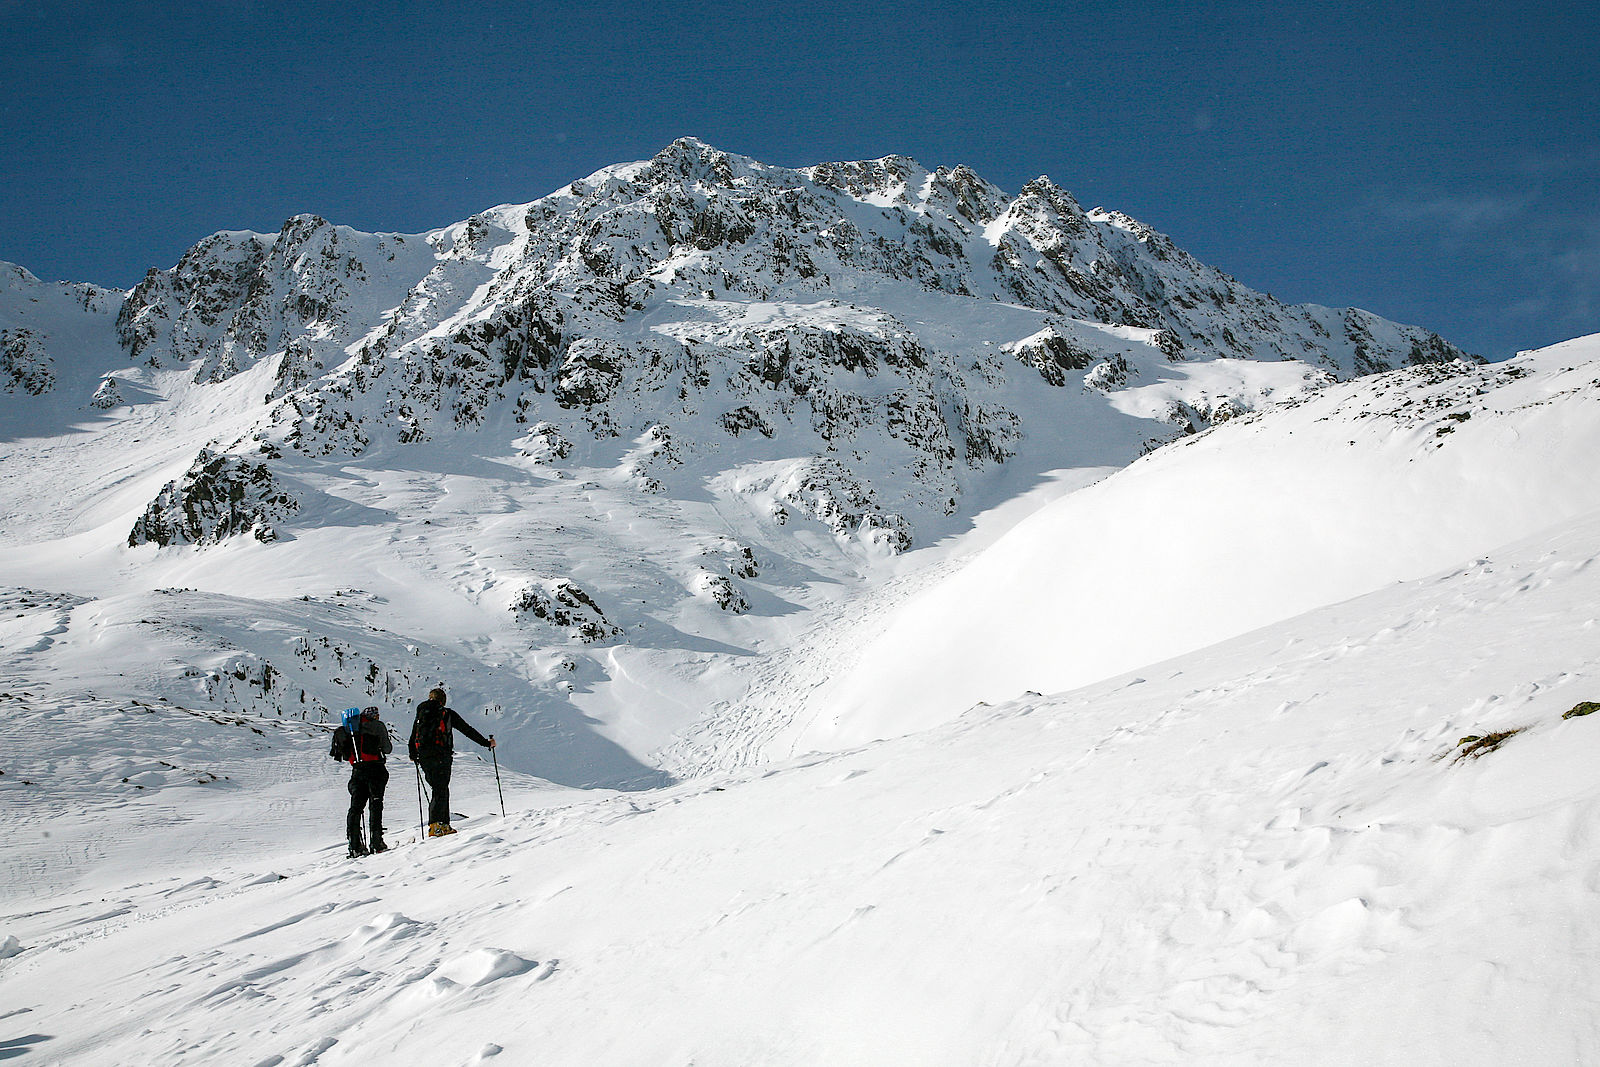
x=775, y=702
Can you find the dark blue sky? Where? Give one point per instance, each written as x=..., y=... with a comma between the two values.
x=1434, y=163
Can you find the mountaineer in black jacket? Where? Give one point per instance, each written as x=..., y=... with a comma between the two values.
x=364, y=746
x=433, y=747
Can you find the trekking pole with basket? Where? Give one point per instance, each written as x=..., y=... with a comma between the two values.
x=497, y=777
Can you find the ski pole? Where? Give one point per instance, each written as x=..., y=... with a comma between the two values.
x=497, y=776
x=422, y=820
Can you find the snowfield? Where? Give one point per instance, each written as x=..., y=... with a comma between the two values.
x=1262, y=851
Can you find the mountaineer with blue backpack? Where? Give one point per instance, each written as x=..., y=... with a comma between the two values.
x=362, y=740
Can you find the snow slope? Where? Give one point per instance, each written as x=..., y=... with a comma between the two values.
x=1378, y=480
x=1252, y=854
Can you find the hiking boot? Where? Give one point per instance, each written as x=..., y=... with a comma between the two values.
x=357, y=851
x=440, y=829
x=379, y=846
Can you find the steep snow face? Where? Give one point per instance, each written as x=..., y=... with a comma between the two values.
x=52, y=338
x=1385, y=479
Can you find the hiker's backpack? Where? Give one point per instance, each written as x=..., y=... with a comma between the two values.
x=344, y=738
x=432, y=728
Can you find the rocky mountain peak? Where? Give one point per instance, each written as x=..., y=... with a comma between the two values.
x=1042, y=193
x=892, y=179
x=692, y=160
x=969, y=196
x=892, y=332
x=15, y=277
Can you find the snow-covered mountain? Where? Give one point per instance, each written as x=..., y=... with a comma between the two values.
x=646, y=417
x=922, y=625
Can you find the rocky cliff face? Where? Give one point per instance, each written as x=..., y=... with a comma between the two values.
x=24, y=364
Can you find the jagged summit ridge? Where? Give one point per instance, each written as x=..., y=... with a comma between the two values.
x=826, y=314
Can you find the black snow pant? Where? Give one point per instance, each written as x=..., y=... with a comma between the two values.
x=436, y=769
x=368, y=778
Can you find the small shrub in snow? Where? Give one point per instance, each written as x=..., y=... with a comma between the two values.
x=1476, y=746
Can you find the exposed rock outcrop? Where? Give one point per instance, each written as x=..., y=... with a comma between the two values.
x=25, y=366
x=561, y=604
x=220, y=496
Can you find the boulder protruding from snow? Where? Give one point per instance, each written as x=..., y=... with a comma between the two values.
x=561, y=603
x=1052, y=355
x=545, y=443
x=722, y=591
x=825, y=491
x=108, y=396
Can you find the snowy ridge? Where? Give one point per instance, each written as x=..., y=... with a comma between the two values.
x=1383, y=479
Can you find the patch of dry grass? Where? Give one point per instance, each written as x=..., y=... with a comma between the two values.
x=1476, y=746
